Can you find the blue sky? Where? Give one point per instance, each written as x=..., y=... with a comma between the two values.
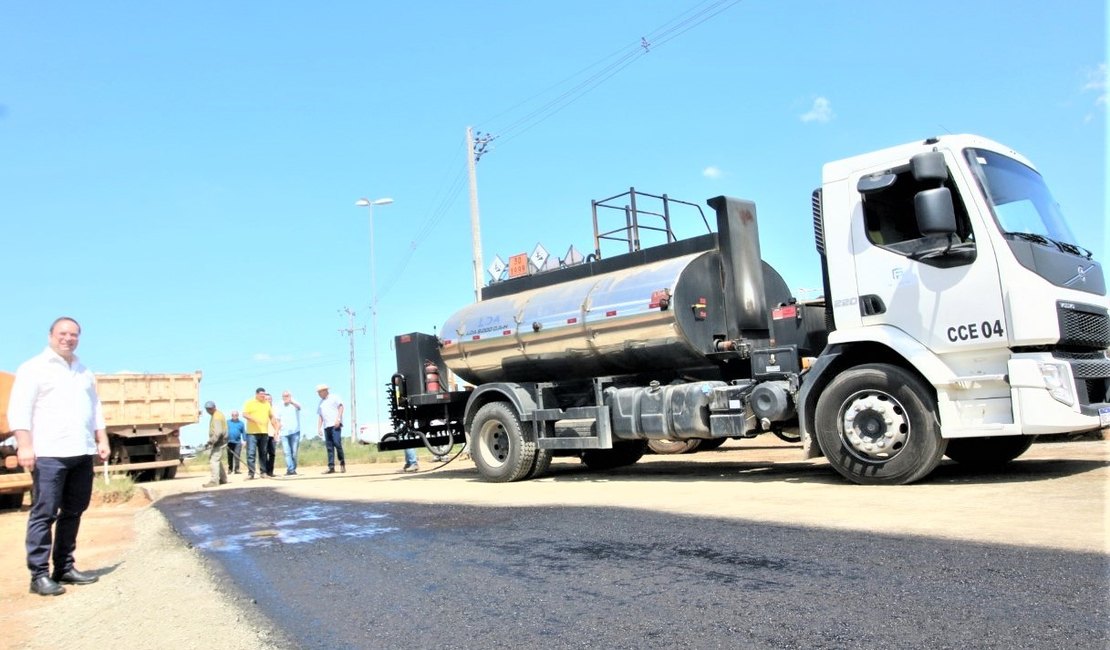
x=181, y=178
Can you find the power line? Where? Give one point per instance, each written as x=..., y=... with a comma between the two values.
x=610, y=65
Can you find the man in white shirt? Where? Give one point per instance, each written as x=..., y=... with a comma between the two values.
x=59, y=425
x=289, y=417
x=330, y=425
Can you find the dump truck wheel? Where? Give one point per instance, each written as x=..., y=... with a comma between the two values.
x=988, y=452
x=500, y=449
x=877, y=426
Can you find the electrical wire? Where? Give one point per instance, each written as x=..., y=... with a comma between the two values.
x=610, y=65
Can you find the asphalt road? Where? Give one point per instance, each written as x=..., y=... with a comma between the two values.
x=336, y=574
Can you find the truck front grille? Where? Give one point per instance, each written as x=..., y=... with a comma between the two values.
x=1083, y=326
x=1092, y=375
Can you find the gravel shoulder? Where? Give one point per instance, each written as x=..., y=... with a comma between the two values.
x=155, y=590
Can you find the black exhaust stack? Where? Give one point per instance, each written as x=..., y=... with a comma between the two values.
x=738, y=233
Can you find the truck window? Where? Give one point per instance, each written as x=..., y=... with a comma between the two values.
x=891, y=223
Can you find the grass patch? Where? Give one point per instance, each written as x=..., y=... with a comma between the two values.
x=119, y=489
x=313, y=453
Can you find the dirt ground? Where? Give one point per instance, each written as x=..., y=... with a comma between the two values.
x=155, y=591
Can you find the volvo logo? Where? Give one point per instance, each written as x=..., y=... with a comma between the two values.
x=1080, y=275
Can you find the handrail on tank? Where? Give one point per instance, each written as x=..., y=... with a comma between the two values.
x=632, y=226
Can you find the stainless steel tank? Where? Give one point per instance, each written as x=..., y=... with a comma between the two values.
x=664, y=315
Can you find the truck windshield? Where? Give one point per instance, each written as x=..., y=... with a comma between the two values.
x=1021, y=202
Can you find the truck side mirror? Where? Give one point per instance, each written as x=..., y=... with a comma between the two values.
x=875, y=183
x=929, y=167
x=935, y=212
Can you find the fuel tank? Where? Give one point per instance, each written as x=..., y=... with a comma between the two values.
x=665, y=315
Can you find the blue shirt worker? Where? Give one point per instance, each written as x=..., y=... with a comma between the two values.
x=289, y=417
x=235, y=432
x=330, y=426
x=58, y=423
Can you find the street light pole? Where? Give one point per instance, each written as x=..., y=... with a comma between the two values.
x=369, y=205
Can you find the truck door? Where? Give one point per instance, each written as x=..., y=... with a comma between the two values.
x=942, y=290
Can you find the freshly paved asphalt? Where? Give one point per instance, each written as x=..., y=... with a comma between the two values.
x=400, y=575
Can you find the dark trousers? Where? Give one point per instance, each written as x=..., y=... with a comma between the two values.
x=333, y=440
x=63, y=488
x=271, y=454
x=233, y=456
x=258, y=447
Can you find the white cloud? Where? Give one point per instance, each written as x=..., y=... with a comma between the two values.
x=712, y=172
x=1096, y=83
x=820, y=112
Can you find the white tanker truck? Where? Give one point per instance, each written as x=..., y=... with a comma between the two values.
x=960, y=317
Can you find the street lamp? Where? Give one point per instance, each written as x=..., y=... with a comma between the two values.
x=369, y=205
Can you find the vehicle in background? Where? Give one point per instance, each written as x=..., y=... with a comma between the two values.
x=960, y=316
x=14, y=481
x=144, y=414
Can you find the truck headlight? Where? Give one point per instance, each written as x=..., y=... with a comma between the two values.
x=1057, y=380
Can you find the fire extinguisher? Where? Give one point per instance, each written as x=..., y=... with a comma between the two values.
x=431, y=377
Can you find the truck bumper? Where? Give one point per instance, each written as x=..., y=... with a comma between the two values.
x=1061, y=401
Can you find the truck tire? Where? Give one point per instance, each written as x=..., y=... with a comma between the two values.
x=792, y=437
x=988, y=452
x=11, y=501
x=877, y=425
x=622, y=453
x=674, y=446
x=500, y=449
x=540, y=464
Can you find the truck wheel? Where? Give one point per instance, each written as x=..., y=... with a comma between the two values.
x=988, y=452
x=792, y=437
x=877, y=426
x=11, y=501
x=622, y=453
x=673, y=446
x=540, y=465
x=499, y=447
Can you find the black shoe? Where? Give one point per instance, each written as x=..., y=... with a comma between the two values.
x=343, y=468
x=331, y=470
x=75, y=577
x=44, y=586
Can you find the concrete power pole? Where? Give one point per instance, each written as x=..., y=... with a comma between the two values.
x=474, y=150
x=350, y=332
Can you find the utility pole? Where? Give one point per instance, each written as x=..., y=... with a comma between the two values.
x=350, y=332
x=475, y=147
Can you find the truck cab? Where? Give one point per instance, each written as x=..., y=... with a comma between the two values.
x=949, y=256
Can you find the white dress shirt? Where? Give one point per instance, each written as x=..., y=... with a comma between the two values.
x=56, y=401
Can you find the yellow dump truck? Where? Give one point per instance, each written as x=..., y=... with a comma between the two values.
x=13, y=480
x=143, y=415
